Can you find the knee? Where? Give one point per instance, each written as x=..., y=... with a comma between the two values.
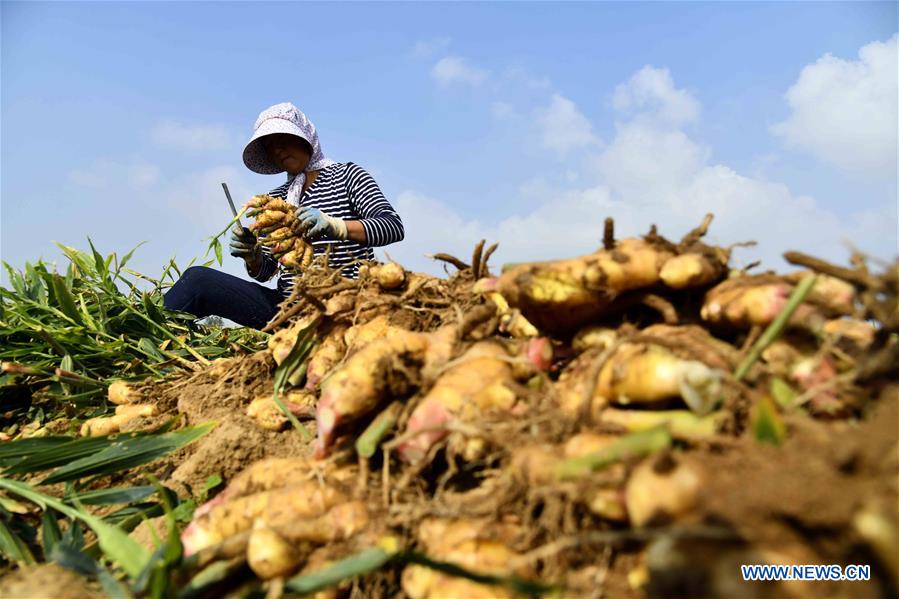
x=189, y=289
x=195, y=279
x=196, y=275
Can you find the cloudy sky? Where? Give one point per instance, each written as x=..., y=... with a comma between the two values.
x=522, y=123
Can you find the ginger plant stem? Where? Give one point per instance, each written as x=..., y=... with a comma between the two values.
x=777, y=327
x=633, y=445
x=368, y=441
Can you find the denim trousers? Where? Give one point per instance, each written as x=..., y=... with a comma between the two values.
x=204, y=291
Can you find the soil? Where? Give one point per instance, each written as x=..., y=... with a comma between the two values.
x=221, y=393
x=46, y=580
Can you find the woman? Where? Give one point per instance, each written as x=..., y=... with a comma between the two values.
x=339, y=206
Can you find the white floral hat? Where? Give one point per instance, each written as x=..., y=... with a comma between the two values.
x=281, y=118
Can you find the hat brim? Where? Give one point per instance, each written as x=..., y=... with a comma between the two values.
x=255, y=155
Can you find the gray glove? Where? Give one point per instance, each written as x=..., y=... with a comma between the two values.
x=315, y=223
x=243, y=243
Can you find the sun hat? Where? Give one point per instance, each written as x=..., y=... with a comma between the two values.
x=281, y=118
x=284, y=118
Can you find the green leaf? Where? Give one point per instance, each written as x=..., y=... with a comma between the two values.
x=173, y=266
x=107, y=262
x=127, y=256
x=294, y=360
x=128, y=453
x=116, y=495
x=34, y=455
x=13, y=547
x=112, y=587
x=114, y=542
x=50, y=532
x=212, y=481
x=70, y=275
x=35, y=287
x=782, y=393
x=65, y=300
x=99, y=264
x=12, y=451
x=81, y=260
x=42, y=453
x=16, y=280
x=86, y=314
x=130, y=516
x=74, y=559
x=767, y=426
x=184, y=511
x=157, y=575
x=517, y=585
x=152, y=309
x=209, y=581
x=149, y=348
x=373, y=558
x=363, y=562
x=214, y=243
x=74, y=535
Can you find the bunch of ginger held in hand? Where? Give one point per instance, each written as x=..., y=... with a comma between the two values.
x=277, y=227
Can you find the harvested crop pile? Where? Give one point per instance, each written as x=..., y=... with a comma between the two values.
x=639, y=421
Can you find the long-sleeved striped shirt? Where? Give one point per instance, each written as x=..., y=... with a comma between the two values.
x=345, y=191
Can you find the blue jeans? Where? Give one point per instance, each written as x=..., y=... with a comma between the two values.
x=203, y=291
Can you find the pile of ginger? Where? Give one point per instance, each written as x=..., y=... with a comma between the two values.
x=481, y=420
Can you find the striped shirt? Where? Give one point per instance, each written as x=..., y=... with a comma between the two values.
x=345, y=191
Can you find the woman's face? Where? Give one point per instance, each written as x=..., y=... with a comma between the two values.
x=287, y=151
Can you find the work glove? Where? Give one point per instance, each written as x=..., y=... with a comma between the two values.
x=243, y=243
x=313, y=223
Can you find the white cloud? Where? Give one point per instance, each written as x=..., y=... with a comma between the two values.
x=571, y=222
x=845, y=112
x=104, y=173
x=452, y=69
x=191, y=137
x=563, y=126
x=644, y=161
x=428, y=48
x=651, y=172
x=431, y=226
x=651, y=94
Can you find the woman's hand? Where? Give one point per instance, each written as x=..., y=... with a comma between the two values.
x=313, y=223
x=242, y=243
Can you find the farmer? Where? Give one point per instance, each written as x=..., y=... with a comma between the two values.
x=340, y=207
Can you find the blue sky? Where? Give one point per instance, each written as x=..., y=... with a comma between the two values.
x=525, y=123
